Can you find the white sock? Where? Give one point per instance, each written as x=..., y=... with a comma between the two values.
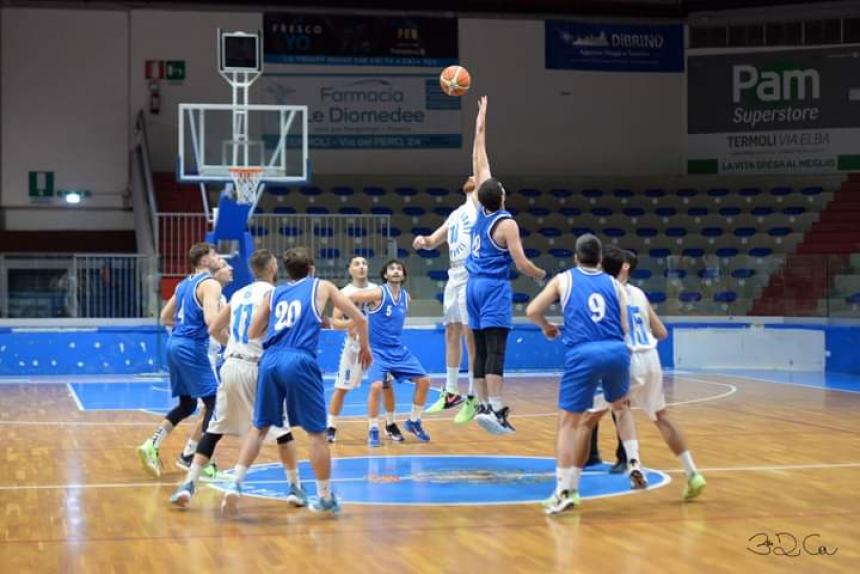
x=193, y=473
x=415, y=415
x=496, y=403
x=389, y=418
x=631, y=447
x=190, y=448
x=292, y=475
x=372, y=424
x=332, y=421
x=452, y=377
x=687, y=460
x=563, y=479
x=324, y=489
x=239, y=474
x=471, y=392
x=159, y=435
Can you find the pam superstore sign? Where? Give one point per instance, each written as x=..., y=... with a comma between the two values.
x=358, y=111
x=774, y=112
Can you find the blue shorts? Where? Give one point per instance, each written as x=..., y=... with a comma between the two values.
x=489, y=303
x=291, y=377
x=191, y=372
x=588, y=365
x=400, y=363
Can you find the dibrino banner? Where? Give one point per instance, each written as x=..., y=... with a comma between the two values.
x=359, y=111
x=791, y=111
x=359, y=40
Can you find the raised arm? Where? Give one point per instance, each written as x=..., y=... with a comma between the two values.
x=657, y=327
x=510, y=232
x=260, y=320
x=359, y=321
x=211, y=298
x=536, y=311
x=370, y=297
x=480, y=162
x=169, y=312
x=433, y=240
x=218, y=329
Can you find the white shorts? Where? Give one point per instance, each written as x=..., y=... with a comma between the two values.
x=646, y=383
x=234, y=403
x=349, y=371
x=454, y=301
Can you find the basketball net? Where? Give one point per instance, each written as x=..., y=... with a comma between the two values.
x=246, y=182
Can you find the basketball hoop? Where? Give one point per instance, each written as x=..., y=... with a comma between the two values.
x=246, y=181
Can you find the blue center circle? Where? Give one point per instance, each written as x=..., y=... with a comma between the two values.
x=442, y=480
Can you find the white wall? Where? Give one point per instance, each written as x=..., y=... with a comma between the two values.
x=65, y=109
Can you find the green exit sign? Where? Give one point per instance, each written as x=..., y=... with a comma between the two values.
x=175, y=70
x=41, y=184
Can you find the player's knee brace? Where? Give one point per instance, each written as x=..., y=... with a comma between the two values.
x=206, y=446
x=209, y=403
x=182, y=411
x=479, y=368
x=496, y=344
x=285, y=438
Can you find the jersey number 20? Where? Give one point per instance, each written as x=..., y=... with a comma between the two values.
x=287, y=314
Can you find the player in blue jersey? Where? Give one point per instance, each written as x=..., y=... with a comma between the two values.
x=192, y=308
x=289, y=376
x=594, y=308
x=386, y=313
x=489, y=297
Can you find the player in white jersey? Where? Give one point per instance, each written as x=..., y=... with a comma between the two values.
x=646, y=373
x=234, y=405
x=349, y=372
x=457, y=231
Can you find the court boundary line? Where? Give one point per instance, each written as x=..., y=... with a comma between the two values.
x=75, y=397
x=787, y=383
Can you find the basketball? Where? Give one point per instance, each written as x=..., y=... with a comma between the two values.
x=455, y=80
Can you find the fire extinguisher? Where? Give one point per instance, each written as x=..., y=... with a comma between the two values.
x=154, y=98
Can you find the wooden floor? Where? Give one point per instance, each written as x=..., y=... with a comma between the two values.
x=778, y=459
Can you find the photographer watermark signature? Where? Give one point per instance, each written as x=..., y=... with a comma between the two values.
x=787, y=544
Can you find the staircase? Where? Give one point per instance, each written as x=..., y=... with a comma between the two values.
x=825, y=251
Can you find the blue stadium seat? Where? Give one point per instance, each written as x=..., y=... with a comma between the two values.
x=278, y=189
x=513, y=211
x=781, y=191
x=290, y=231
x=381, y=210
x=656, y=297
x=708, y=273
x=530, y=192
x=794, y=210
x=623, y=193
x=633, y=211
x=853, y=299
x=538, y=211
x=761, y=211
x=531, y=252
x=614, y=232
x=729, y=211
x=440, y=297
x=405, y=191
x=349, y=210
x=744, y=231
x=443, y=210
x=577, y=231
x=316, y=210
x=392, y=231
x=665, y=211
x=402, y=253
x=592, y=193
x=356, y=232
x=712, y=231
x=676, y=231
x=642, y=274
x=749, y=192
x=438, y=191
x=343, y=191
x=659, y=252
x=646, y=232
x=560, y=253
x=284, y=210
x=421, y=230
x=329, y=253
x=550, y=231
x=779, y=231
x=690, y=296
x=524, y=232
x=810, y=191
x=760, y=251
x=697, y=211
x=310, y=191
x=374, y=191
x=725, y=296
x=674, y=273
x=438, y=275
x=513, y=275
x=743, y=273
x=258, y=231
x=365, y=252
x=414, y=210
x=259, y=209
x=521, y=298
x=323, y=231
x=727, y=252
x=431, y=254
x=718, y=192
x=686, y=192
x=560, y=193
x=602, y=212
x=570, y=211
x=693, y=252
x=655, y=193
